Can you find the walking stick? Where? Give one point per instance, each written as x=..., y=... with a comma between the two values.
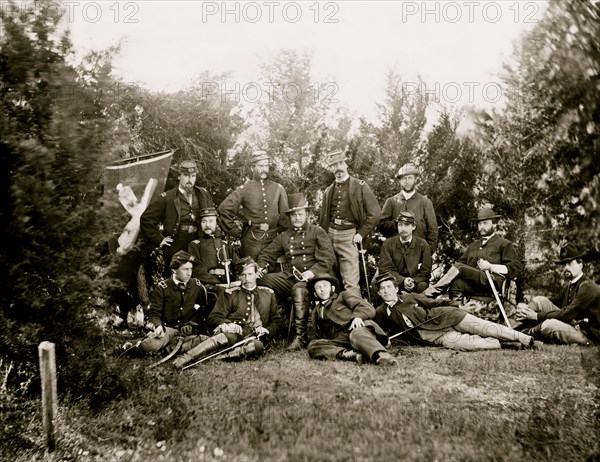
x=235, y=345
x=497, y=295
x=362, y=252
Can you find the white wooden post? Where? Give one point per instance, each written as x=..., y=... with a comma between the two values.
x=49, y=396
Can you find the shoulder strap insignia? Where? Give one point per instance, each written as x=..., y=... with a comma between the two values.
x=164, y=194
x=197, y=281
x=268, y=289
x=232, y=290
x=196, y=241
x=163, y=284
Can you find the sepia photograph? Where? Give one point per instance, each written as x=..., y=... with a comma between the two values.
x=300, y=230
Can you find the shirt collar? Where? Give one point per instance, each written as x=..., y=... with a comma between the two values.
x=177, y=281
x=408, y=195
x=407, y=242
x=485, y=240
x=574, y=280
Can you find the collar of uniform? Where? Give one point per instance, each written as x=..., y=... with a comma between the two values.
x=345, y=180
x=177, y=281
x=400, y=243
x=302, y=228
x=574, y=280
x=250, y=289
x=182, y=191
x=408, y=195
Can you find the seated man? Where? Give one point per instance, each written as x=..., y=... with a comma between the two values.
x=426, y=321
x=573, y=316
x=492, y=254
x=308, y=250
x=175, y=307
x=343, y=325
x=406, y=256
x=238, y=313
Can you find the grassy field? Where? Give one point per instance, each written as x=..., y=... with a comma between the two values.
x=436, y=405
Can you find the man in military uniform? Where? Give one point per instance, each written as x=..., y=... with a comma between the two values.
x=343, y=325
x=239, y=312
x=410, y=199
x=175, y=307
x=349, y=213
x=177, y=211
x=308, y=251
x=263, y=205
x=406, y=256
x=212, y=253
x=491, y=253
x=573, y=315
x=422, y=320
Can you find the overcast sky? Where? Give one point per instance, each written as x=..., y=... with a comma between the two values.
x=457, y=47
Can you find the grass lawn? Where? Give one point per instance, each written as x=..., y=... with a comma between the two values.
x=436, y=405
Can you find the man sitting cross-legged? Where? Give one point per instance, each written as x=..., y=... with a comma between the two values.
x=343, y=325
x=423, y=319
x=238, y=313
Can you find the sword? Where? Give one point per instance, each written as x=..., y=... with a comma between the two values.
x=491, y=281
x=362, y=252
x=235, y=345
x=169, y=356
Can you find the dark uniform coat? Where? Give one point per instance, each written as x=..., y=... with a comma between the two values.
x=209, y=252
x=306, y=249
x=363, y=204
x=577, y=302
x=415, y=260
x=233, y=306
x=172, y=307
x=166, y=211
x=496, y=250
x=262, y=203
x=421, y=206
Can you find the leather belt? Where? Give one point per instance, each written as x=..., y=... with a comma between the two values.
x=340, y=222
x=217, y=271
x=261, y=227
x=188, y=228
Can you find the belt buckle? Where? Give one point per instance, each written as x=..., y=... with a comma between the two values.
x=263, y=227
x=338, y=222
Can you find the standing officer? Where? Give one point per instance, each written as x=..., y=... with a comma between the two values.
x=349, y=213
x=263, y=205
x=178, y=212
x=409, y=199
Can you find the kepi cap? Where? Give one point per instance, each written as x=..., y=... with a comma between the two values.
x=335, y=157
x=406, y=217
x=188, y=167
x=407, y=169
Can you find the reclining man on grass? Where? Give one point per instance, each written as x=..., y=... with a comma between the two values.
x=242, y=312
x=571, y=317
x=343, y=325
x=426, y=321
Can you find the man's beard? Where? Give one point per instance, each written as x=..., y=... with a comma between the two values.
x=485, y=232
x=407, y=190
x=208, y=231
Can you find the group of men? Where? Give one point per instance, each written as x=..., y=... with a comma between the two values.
x=286, y=260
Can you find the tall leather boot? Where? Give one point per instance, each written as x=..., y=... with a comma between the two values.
x=208, y=346
x=300, y=304
x=440, y=286
x=253, y=348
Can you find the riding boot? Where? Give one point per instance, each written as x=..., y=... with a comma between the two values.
x=455, y=295
x=440, y=286
x=300, y=306
x=208, y=346
x=253, y=348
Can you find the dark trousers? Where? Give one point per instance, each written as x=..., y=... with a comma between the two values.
x=254, y=241
x=473, y=281
x=361, y=339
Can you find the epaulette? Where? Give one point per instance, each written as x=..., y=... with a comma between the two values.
x=198, y=283
x=230, y=290
x=164, y=194
x=163, y=284
x=268, y=289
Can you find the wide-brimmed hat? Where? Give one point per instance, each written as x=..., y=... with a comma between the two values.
x=335, y=157
x=181, y=258
x=322, y=277
x=406, y=217
x=243, y=263
x=259, y=155
x=407, y=169
x=208, y=212
x=569, y=253
x=297, y=201
x=387, y=276
x=187, y=167
x=486, y=213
